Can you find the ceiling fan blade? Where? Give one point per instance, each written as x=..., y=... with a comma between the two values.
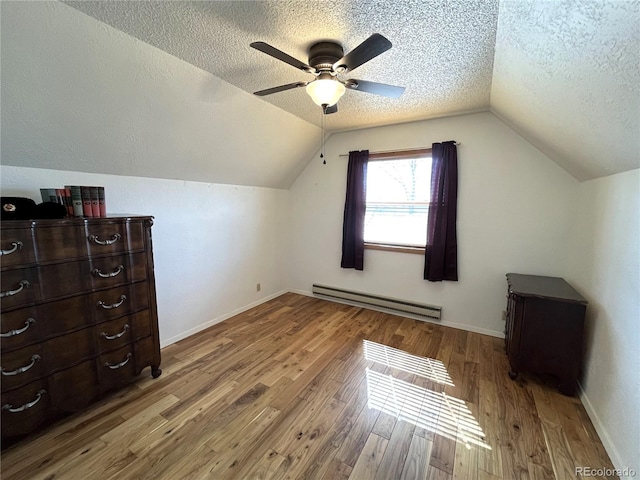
x=281, y=88
x=331, y=109
x=280, y=55
x=370, y=48
x=385, y=90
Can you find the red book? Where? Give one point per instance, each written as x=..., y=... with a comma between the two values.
x=67, y=201
x=86, y=201
x=102, y=202
x=95, y=202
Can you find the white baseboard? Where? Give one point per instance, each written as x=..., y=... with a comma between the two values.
x=608, y=444
x=222, y=318
x=459, y=326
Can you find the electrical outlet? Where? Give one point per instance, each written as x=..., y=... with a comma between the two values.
x=257, y=287
x=504, y=315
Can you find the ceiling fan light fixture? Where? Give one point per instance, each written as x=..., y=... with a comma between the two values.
x=325, y=91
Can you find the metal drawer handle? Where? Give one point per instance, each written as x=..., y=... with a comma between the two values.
x=115, y=366
x=16, y=246
x=113, y=305
x=116, y=272
x=13, y=333
x=17, y=371
x=114, y=238
x=117, y=335
x=21, y=286
x=26, y=406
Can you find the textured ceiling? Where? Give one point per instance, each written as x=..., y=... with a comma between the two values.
x=442, y=50
x=566, y=76
x=563, y=73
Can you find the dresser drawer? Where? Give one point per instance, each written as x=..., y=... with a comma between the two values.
x=74, y=388
x=121, y=331
x=22, y=366
x=59, y=242
x=17, y=247
x=116, y=368
x=30, y=285
x=120, y=301
x=117, y=270
x=19, y=287
x=45, y=321
x=20, y=328
x=26, y=364
x=25, y=409
x=114, y=237
x=66, y=350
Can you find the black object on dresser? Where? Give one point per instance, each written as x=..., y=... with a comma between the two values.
x=545, y=328
x=78, y=315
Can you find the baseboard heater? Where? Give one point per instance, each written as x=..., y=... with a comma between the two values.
x=402, y=306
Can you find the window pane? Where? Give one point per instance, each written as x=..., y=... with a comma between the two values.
x=397, y=201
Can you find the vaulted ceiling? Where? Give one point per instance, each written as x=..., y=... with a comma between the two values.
x=564, y=74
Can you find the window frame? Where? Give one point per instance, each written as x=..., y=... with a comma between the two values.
x=397, y=155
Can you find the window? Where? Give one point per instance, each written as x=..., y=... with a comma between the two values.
x=398, y=195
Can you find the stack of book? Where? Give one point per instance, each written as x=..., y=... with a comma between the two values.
x=80, y=201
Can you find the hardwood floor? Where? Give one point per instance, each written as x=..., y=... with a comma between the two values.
x=304, y=388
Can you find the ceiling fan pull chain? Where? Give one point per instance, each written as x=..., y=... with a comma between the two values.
x=324, y=161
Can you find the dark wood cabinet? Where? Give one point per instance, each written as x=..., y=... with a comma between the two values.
x=78, y=315
x=545, y=328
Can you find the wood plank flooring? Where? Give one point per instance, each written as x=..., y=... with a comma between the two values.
x=302, y=388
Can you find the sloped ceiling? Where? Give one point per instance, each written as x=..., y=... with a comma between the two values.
x=563, y=73
x=79, y=95
x=566, y=77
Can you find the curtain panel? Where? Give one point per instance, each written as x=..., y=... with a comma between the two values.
x=441, y=253
x=354, y=209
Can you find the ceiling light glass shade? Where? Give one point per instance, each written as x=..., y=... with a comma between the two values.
x=325, y=91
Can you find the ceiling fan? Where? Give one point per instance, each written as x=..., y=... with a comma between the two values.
x=326, y=61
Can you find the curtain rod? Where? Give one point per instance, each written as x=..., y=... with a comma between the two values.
x=393, y=151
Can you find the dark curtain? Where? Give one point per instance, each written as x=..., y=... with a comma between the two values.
x=441, y=254
x=354, y=208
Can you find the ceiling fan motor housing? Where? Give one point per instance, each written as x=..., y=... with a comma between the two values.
x=323, y=55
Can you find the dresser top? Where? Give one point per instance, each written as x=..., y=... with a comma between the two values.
x=544, y=287
x=74, y=221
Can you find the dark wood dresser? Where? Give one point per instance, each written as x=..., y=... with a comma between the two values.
x=545, y=328
x=78, y=315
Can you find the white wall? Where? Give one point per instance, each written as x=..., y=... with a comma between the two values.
x=514, y=208
x=79, y=95
x=604, y=266
x=212, y=243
